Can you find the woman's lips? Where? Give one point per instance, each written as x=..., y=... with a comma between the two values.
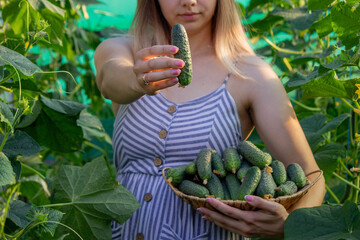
x=189, y=16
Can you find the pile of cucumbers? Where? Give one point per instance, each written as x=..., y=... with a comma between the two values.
x=241, y=171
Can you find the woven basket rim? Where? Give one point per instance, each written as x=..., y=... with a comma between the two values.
x=280, y=199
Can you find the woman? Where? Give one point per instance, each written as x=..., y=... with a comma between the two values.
x=160, y=125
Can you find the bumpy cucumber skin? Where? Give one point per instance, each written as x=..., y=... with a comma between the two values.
x=203, y=164
x=244, y=167
x=287, y=188
x=253, y=154
x=232, y=160
x=177, y=174
x=217, y=165
x=279, y=172
x=191, y=169
x=227, y=195
x=296, y=174
x=250, y=182
x=180, y=39
x=233, y=185
x=190, y=188
x=215, y=187
x=266, y=185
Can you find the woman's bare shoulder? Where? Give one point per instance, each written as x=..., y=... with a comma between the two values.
x=256, y=70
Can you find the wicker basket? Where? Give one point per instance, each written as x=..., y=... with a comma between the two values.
x=286, y=201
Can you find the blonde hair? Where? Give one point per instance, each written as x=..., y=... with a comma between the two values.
x=229, y=36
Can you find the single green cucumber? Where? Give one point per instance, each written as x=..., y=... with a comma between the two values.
x=190, y=188
x=244, y=167
x=267, y=185
x=232, y=160
x=296, y=174
x=217, y=165
x=180, y=39
x=279, y=172
x=191, y=169
x=215, y=187
x=253, y=154
x=227, y=195
x=203, y=164
x=287, y=188
x=233, y=185
x=176, y=174
x=250, y=182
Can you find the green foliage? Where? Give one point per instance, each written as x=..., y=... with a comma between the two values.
x=331, y=222
x=46, y=132
x=91, y=198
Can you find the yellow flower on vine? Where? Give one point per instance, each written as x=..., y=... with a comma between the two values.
x=358, y=90
x=357, y=137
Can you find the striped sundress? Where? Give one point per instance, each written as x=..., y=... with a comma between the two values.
x=154, y=132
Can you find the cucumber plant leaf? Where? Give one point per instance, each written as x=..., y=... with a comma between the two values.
x=332, y=222
x=15, y=59
x=6, y=116
x=346, y=22
x=56, y=125
x=92, y=198
x=298, y=18
x=7, y=175
x=319, y=4
x=92, y=127
x=20, y=144
x=327, y=158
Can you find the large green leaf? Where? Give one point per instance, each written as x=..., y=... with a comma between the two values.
x=93, y=199
x=323, y=27
x=319, y=4
x=6, y=116
x=326, y=157
x=324, y=223
x=44, y=4
x=7, y=175
x=56, y=125
x=346, y=22
x=20, y=144
x=21, y=63
x=92, y=127
x=298, y=18
x=315, y=126
x=329, y=85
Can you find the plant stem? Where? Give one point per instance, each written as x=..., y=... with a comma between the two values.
x=347, y=103
x=288, y=50
x=5, y=211
x=304, y=106
x=345, y=181
x=346, y=169
x=332, y=194
x=32, y=170
x=4, y=140
x=57, y=204
x=356, y=192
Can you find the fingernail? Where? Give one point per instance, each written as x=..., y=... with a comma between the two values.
x=175, y=72
x=179, y=63
x=199, y=210
x=174, y=49
x=175, y=80
x=209, y=200
x=249, y=198
x=205, y=218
